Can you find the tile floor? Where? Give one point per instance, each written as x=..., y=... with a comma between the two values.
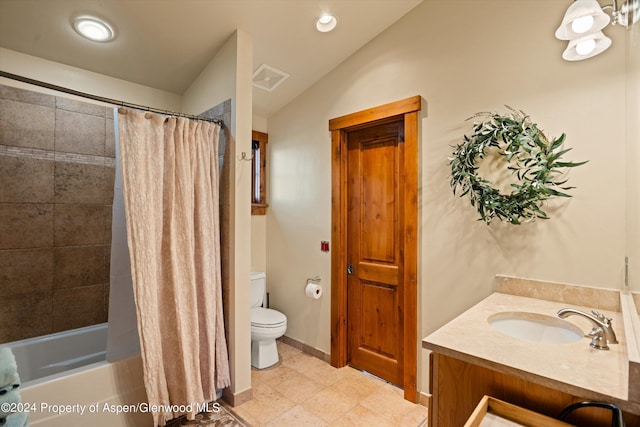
x=302, y=390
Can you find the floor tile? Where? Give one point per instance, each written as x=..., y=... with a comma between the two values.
x=297, y=416
x=330, y=404
x=266, y=404
x=386, y=402
x=301, y=390
x=360, y=416
x=286, y=351
x=303, y=362
x=298, y=387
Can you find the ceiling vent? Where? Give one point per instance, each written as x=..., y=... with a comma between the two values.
x=268, y=78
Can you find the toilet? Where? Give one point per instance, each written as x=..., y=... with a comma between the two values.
x=266, y=325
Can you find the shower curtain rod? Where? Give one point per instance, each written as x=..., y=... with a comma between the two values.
x=103, y=99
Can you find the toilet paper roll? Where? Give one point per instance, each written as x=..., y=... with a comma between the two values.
x=313, y=290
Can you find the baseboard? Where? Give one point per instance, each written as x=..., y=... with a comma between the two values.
x=306, y=348
x=424, y=399
x=237, y=399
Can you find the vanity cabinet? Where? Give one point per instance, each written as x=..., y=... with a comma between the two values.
x=457, y=386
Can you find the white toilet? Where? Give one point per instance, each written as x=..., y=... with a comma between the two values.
x=266, y=325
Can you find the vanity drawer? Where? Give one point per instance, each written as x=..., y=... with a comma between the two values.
x=492, y=412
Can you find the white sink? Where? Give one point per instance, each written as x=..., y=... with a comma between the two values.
x=535, y=327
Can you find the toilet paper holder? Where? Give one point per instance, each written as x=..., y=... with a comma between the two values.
x=315, y=279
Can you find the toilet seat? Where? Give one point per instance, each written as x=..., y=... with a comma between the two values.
x=267, y=318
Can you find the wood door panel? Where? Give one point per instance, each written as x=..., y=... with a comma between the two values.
x=384, y=273
x=377, y=364
x=375, y=291
x=378, y=195
x=379, y=304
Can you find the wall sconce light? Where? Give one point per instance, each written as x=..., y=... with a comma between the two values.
x=583, y=23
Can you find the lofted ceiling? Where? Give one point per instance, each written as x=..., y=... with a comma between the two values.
x=165, y=44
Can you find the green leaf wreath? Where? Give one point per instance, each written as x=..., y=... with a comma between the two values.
x=530, y=156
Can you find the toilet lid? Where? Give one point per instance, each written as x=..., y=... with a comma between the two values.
x=267, y=317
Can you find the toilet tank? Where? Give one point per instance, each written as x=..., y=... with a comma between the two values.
x=258, y=288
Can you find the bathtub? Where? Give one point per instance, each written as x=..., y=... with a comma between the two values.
x=66, y=381
x=63, y=351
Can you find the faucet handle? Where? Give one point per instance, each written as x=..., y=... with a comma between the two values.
x=607, y=321
x=598, y=339
x=601, y=317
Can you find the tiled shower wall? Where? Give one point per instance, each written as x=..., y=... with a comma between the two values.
x=222, y=112
x=56, y=191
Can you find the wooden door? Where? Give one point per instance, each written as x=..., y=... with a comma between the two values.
x=375, y=200
x=405, y=111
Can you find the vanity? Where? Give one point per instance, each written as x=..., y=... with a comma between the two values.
x=486, y=351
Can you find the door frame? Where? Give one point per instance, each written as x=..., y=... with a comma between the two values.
x=407, y=110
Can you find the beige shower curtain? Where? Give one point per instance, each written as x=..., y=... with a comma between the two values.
x=170, y=186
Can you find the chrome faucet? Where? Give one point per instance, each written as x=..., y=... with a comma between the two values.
x=602, y=332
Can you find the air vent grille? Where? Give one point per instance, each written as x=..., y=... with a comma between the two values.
x=268, y=78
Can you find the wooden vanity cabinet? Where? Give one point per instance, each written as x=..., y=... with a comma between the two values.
x=457, y=386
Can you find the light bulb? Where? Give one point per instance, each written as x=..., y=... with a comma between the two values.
x=586, y=47
x=93, y=29
x=326, y=23
x=582, y=24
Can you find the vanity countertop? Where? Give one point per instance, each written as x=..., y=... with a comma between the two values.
x=574, y=368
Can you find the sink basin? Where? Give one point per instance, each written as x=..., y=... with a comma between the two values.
x=535, y=327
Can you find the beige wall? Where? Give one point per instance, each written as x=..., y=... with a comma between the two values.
x=633, y=156
x=259, y=242
x=461, y=57
x=83, y=81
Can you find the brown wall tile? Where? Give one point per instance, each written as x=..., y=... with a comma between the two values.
x=25, y=316
x=78, y=307
x=26, y=125
x=110, y=139
x=26, y=180
x=28, y=96
x=25, y=225
x=75, y=225
x=25, y=271
x=108, y=215
x=79, y=133
x=106, y=293
x=107, y=263
x=83, y=107
x=109, y=179
x=76, y=266
x=80, y=183
x=83, y=194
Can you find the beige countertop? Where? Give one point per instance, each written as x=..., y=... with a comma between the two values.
x=574, y=368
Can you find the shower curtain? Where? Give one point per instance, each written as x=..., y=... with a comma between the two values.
x=170, y=185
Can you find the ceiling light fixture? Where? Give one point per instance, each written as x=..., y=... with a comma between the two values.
x=326, y=23
x=93, y=29
x=584, y=20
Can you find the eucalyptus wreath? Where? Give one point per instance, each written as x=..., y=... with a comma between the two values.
x=529, y=154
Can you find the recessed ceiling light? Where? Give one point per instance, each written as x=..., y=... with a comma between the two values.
x=93, y=29
x=326, y=23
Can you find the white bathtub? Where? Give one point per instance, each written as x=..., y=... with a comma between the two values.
x=51, y=354
x=65, y=373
